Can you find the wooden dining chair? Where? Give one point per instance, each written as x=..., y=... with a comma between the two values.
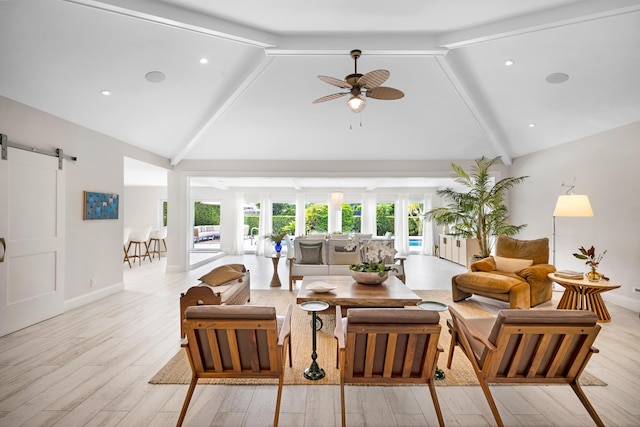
x=528, y=347
x=231, y=341
x=388, y=346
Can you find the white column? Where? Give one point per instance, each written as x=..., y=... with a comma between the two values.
x=301, y=217
x=239, y=215
x=401, y=225
x=179, y=226
x=368, y=214
x=263, y=246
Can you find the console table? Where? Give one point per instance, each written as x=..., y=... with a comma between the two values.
x=582, y=294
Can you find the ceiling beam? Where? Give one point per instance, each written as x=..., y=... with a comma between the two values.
x=219, y=112
x=570, y=14
x=479, y=112
x=165, y=14
x=370, y=44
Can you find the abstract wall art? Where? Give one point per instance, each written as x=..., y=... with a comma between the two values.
x=100, y=205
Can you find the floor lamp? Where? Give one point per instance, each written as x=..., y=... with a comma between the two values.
x=570, y=205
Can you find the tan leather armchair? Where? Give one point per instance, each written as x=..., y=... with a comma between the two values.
x=518, y=274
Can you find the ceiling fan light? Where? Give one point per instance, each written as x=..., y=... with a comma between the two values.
x=356, y=104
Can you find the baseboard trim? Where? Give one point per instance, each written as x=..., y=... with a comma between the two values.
x=622, y=301
x=93, y=296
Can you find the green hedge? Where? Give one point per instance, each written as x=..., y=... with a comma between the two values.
x=206, y=214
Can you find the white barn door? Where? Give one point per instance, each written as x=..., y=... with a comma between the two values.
x=32, y=228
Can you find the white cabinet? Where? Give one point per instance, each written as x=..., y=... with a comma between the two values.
x=457, y=249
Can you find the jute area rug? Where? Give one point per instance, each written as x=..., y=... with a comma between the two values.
x=177, y=370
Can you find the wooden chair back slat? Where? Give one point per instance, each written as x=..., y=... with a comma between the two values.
x=214, y=349
x=390, y=355
x=539, y=352
x=410, y=355
x=371, y=348
x=234, y=350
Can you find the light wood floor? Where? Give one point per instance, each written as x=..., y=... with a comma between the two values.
x=91, y=366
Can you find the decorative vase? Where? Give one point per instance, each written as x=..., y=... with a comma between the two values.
x=368, y=278
x=278, y=247
x=593, y=275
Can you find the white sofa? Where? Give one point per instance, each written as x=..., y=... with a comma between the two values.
x=205, y=232
x=315, y=256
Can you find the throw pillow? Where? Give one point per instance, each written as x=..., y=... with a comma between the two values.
x=485, y=264
x=221, y=275
x=512, y=265
x=311, y=253
x=238, y=267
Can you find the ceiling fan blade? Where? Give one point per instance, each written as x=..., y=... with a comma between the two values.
x=335, y=82
x=384, y=92
x=329, y=97
x=373, y=79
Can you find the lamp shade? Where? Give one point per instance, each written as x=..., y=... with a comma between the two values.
x=573, y=205
x=336, y=199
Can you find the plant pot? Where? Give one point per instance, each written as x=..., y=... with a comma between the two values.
x=278, y=247
x=367, y=278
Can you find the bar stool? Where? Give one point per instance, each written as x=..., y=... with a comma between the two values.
x=137, y=238
x=127, y=232
x=154, y=241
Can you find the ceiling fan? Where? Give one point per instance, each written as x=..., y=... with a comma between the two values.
x=360, y=85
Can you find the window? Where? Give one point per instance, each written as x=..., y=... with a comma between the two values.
x=316, y=218
x=385, y=218
x=415, y=226
x=284, y=217
x=351, y=217
x=206, y=226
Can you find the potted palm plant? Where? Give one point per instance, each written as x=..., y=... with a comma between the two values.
x=479, y=213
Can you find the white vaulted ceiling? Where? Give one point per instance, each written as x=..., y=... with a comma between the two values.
x=253, y=99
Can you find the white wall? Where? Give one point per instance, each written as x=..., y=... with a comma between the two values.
x=143, y=206
x=604, y=167
x=93, y=249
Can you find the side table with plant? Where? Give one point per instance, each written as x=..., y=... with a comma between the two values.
x=592, y=260
x=276, y=237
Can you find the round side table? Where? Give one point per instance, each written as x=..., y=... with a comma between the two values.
x=314, y=372
x=582, y=294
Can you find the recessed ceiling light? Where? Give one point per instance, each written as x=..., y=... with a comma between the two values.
x=155, y=76
x=532, y=125
x=557, y=78
x=509, y=62
x=204, y=60
x=105, y=92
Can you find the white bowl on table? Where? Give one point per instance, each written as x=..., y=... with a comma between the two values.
x=321, y=287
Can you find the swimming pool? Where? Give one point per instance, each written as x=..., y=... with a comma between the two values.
x=415, y=241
